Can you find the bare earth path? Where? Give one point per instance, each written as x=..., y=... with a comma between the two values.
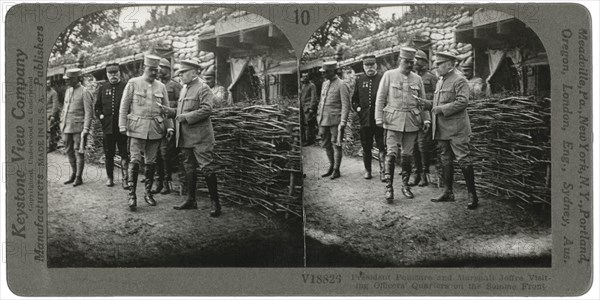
x=349, y=224
x=90, y=226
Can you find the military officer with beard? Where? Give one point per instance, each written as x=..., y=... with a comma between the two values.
x=142, y=119
x=363, y=102
x=108, y=102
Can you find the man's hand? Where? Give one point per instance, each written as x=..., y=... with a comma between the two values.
x=426, y=126
x=163, y=109
x=436, y=110
x=181, y=119
x=340, y=135
x=170, y=133
x=358, y=109
x=379, y=123
x=122, y=129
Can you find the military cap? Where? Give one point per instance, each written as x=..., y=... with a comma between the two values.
x=369, y=59
x=304, y=75
x=165, y=63
x=151, y=61
x=441, y=57
x=329, y=65
x=467, y=64
x=72, y=73
x=407, y=53
x=210, y=71
x=112, y=67
x=48, y=82
x=421, y=55
x=187, y=65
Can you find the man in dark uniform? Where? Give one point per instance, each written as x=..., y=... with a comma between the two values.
x=108, y=102
x=477, y=86
x=52, y=111
x=423, y=151
x=166, y=158
x=142, y=119
x=75, y=123
x=397, y=110
x=332, y=116
x=451, y=127
x=363, y=102
x=195, y=136
x=310, y=103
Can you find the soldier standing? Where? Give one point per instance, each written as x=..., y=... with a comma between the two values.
x=220, y=92
x=166, y=157
x=477, y=86
x=141, y=118
x=108, y=102
x=332, y=116
x=310, y=103
x=396, y=109
x=75, y=123
x=422, y=152
x=195, y=136
x=52, y=111
x=451, y=127
x=363, y=102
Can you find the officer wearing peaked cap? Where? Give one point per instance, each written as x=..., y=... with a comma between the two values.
x=397, y=110
x=75, y=124
x=332, y=115
x=363, y=102
x=108, y=103
x=140, y=116
x=195, y=136
x=451, y=127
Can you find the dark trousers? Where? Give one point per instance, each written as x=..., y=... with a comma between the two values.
x=368, y=134
x=166, y=159
x=423, y=151
x=112, y=142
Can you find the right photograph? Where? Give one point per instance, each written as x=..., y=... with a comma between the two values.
x=426, y=140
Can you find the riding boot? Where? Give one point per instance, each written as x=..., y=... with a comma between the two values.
x=329, y=152
x=469, y=175
x=406, y=170
x=109, y=164
x=148, y=196
x=424, y=179
x=382, y=165
x=418, y=167
x=167, y=189
x=190, y=202
x=448, y=175
x=390, y=165
x=367, y=158
x=337, y=162
x=124, y=169
x=133, y=171
x=80, y=166
x=211, y=183
x=73, y=172
x=168, y=171
x=159, y=186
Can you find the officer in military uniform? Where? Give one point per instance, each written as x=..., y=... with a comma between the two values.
x=310, y=103
x=422, y=152
x=332, y=115
x=52, y=111
x=397, y=110
x=75, y=123
x=108, y=102
x=219, y=91
x=363, y=102
x=166, y=157
x=477, y=86
x=451, y=127
x=142, y=119
x=195, y=136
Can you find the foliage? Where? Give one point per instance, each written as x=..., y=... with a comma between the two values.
x=342, y=26
x=87, y=28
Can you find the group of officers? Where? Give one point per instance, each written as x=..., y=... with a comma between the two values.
x=148, y=119
x=404, y=109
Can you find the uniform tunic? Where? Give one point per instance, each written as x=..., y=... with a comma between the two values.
x=333, y=110
x=77, y=110
x=364, y=96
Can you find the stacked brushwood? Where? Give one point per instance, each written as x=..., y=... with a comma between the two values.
x=257, y=157
x=511, y=147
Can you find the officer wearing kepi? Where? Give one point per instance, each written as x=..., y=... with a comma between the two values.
x=108, y=102
x=75, y=123
x=363, y=102
x=195, y=136
x=397, y=110
x=332, y=116
x=141, y=118
x=451, y=127
x=168, y=151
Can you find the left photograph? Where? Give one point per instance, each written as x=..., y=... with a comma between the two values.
x=173, y=140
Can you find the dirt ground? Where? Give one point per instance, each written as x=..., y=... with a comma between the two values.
x=91, y=226
x=349, y=224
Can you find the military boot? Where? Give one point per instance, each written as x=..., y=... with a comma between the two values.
x=390, y=165
x=80, y=166
x=382, y=166
x=406, y=169
x=418, y=167
x=148, y=196
x=167, y=189
x=424, y=179
x=190, y=202
x=337, y=150
x=73, y=172
x=469, y=174
x=159, y=186
x=211, y=182
x=448, y=175
x=134, y=169
x=367, y=158
x=329, y=152
x=124, y=170
x=109, y=164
